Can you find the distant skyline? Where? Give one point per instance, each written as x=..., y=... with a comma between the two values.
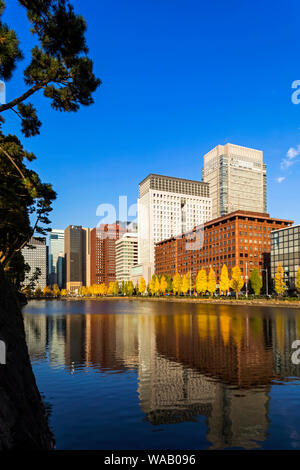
x=178, y=79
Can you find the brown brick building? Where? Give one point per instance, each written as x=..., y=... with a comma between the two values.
x=103, y=258
x=240, y=238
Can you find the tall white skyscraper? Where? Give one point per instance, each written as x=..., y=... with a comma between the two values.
x=237, y=179
x=56, y=246
x=35, y=255
x=167, y=207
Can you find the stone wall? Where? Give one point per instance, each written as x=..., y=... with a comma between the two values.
x=23, y=419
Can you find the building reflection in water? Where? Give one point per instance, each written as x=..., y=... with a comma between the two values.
x=214, y=362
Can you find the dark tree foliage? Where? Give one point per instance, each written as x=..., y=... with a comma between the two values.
x=22, y=197
x=60, y=69
x=16, y=270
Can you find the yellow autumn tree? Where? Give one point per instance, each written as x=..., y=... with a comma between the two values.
x=163, y=284
x=298, y=280
x=92, y=289
x=211, y=282
x=190, y=282
x=64, y=292
x=224, y=280
x=201, y=282
x=98, y=289
x=102, y=289
x=38, y=292
x=130, y=288
x=111, y=288
x=185, y=284
x=177, y=284
x=116, y=288
x=280, y=285
x=47, y=292
x=142, y=286
x=157, y=286
x=237, y=281
x=152, y=285
x=56, y=290
x=85, y=290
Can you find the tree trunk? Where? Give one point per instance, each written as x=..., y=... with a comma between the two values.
x=23, y=418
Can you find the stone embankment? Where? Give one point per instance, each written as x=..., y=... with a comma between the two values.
x=23, y=417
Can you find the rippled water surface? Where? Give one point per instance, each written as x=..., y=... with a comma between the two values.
x=161, y=375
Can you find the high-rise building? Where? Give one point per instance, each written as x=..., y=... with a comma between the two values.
x=126, y=255
x=103, y=255
x=286, y=251
x=237, y=179
x=60, y=270
x=238, y=239
x=56, y=246
x=86, y=257
x=168, y=206
x=76, y=256
x=35, y=255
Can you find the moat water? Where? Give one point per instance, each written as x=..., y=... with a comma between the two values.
x=161, y=375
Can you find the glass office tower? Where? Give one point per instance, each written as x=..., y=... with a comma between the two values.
x=286, y=250
x=56, y=246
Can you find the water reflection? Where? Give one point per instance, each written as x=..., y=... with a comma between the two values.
x=214, y=361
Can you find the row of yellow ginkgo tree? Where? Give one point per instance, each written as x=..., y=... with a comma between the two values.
x=203, y=283
x=207, y=282
x=179, y=284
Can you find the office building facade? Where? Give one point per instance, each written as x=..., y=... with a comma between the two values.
x=126, y=256
x=35, y=255
x=76, y=256
x=286, y=251
x=61, y=270
x=168, y=206
x=237, y=179
x=103, y=254
x=56, y=247
x=240, y=238
x=86, y=258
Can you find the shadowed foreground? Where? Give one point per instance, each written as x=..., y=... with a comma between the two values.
x=23, y=419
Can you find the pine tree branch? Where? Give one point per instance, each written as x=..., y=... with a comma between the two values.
x=12, y=161
x=23, y=97
x=10, y=253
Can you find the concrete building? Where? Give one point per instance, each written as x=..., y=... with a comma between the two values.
x=103, y=255
x=139, y=271
x=56, y=246
x=286, y=251
x=168, y=206
x=126, y=256
x=76, y=256
x=35, y=255
x=240, y=238
x=237, y=179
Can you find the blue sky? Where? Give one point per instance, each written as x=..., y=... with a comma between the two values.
x=179, y=77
